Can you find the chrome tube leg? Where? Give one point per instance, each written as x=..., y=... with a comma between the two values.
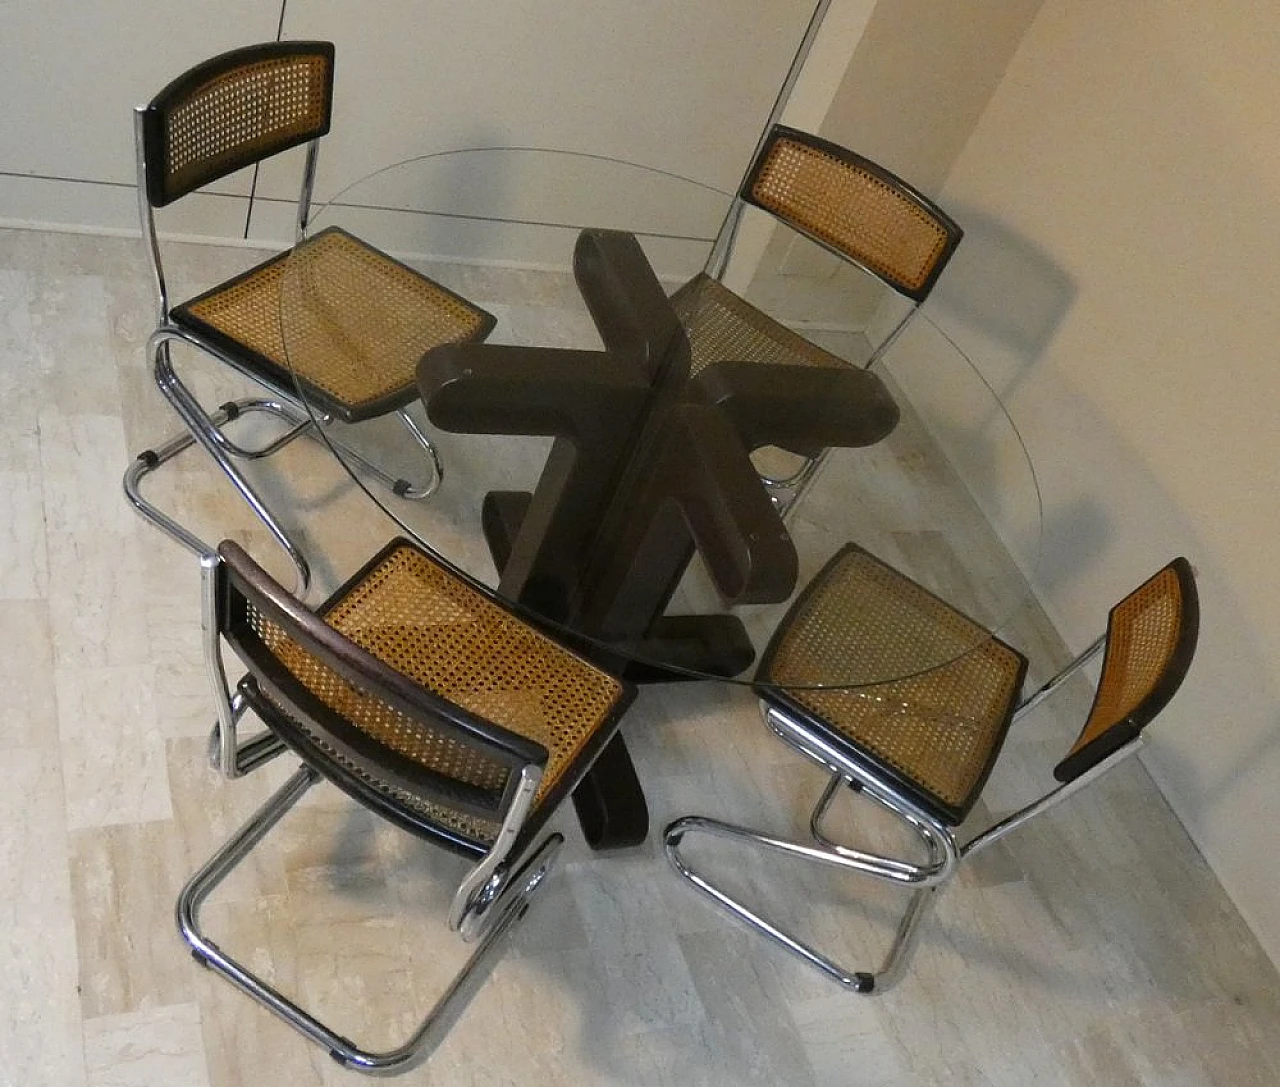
x=397, y=485
x=798, y=485
x=295, y=416
x=143, y=465
x=424, y=443
x=906, y=938
x=507, y=912
x=938, y=842
x=224, y=861
x=924, y=879
x=853, y=980
x=200, y=426
x=150, y=460
x=511, y=908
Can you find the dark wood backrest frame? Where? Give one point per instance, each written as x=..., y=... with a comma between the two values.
x=950, y=227
x=161, y=187
x=1127, y=728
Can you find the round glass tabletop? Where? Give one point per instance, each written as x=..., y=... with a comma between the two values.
x=585, y=476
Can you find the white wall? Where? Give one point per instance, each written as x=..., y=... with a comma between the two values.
x=680, y=86
x=919, y=79
x=1122, y=199
x=662, y=83
x=70, y=75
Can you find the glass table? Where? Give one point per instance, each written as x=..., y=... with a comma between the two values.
x=605, y=494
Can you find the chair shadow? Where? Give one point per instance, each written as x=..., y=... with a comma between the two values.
x=1006, y=289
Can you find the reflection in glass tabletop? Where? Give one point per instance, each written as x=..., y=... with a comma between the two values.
x=947, y=495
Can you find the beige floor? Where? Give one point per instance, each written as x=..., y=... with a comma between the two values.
x=1094, y=948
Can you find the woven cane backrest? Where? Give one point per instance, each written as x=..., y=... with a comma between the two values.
x=235, y=110
x=420, y=686
x=1151, y=638
x=851, y=205
x=936, y=731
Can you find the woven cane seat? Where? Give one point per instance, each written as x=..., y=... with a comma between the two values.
x=354, y=321
x=428, y=625
x=935, y=733
x=722, y=327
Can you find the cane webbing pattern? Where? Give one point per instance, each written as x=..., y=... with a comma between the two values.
x=720, y=326
x=244, y=114
x=851, y=209
x=342, y=316
x=1142, y=637
x=473, y=827
x=941, y=727
x=415, y=616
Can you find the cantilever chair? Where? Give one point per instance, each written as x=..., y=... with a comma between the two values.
x=922, y=747
x=429, y=703
x=367, y=319
x=849, y=206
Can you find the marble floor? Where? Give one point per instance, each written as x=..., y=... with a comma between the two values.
x=1095, y=947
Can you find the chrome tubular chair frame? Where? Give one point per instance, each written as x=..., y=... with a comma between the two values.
x=506, y=906
x=405, y=749
x=1149, y=643
x=945, y=855
x=285, y=91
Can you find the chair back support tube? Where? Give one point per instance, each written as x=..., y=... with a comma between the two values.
x=1051, y=799
x=147, y=218
x=304, y=196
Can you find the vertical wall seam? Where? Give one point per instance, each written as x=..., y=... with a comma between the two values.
x=253, y=185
